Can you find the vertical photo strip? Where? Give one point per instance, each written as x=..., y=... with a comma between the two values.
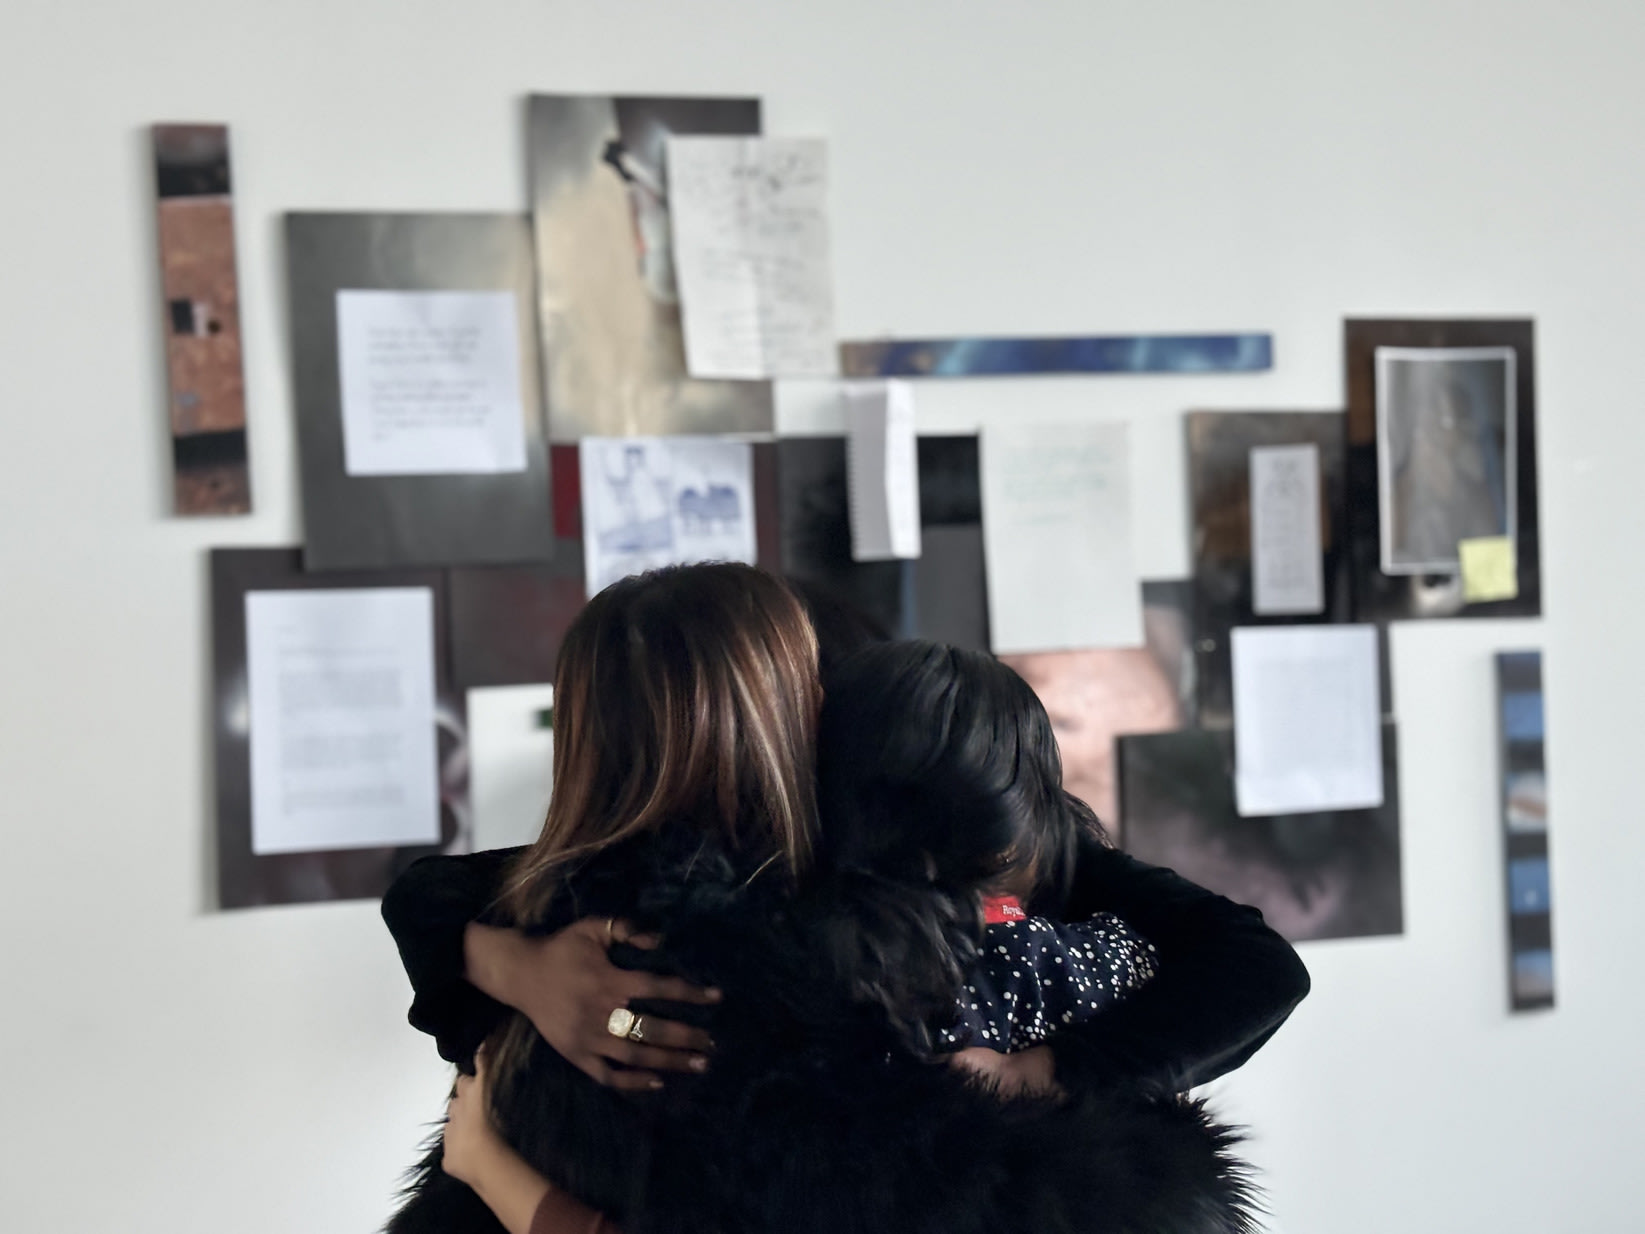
x=201, y=320
x=1524, y=784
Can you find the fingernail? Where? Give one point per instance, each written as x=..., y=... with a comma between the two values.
x=698, y=1063
x=715, y=996
x=655, y=1083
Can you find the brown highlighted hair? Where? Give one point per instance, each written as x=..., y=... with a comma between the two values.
x=688, y=697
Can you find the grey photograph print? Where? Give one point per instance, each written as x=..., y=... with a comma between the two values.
x=1445, y=439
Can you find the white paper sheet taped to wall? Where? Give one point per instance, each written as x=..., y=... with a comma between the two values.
x=430, y=382
x=659, y=501
x=511, y=763
x=341, y=687
x=1287, y=558
x=1056, y=513
x=751, y=255
x=1307, y=719
x=883, y=470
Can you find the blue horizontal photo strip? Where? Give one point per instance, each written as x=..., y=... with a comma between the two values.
x=1015, y=357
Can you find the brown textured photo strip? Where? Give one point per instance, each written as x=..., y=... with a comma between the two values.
x=201, y=319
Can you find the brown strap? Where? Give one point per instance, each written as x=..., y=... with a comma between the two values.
x=559, y=1213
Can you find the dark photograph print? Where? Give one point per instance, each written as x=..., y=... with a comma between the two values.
x=249, y=878
x=1220, y=447
x=1441, y=449
x=361, y=513
x=1328, y=875
x=609, y=308
x=943, y=593
x=1445, y=447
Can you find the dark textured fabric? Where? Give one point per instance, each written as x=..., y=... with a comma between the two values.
x=427, y=909
x=814, y=1116
x=1226, y=981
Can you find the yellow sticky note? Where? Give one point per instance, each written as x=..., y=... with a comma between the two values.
x=1489, y=570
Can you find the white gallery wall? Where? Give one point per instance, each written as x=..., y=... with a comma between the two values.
x=1078, y=166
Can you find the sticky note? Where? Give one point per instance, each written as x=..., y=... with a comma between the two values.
x=1489, y=570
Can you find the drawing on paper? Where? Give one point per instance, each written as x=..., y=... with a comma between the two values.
x=650, y=502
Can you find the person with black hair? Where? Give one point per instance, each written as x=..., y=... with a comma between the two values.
x=938, y=785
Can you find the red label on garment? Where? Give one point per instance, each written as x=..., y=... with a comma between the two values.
x=997, y=910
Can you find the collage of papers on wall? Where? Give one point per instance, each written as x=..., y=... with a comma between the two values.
x=499, y=415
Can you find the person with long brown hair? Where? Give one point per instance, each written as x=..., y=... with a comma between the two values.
x=799, y=1056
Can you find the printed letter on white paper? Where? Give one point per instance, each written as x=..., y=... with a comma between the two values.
x=1287, y=561
x=341, y=687
x=430, y=382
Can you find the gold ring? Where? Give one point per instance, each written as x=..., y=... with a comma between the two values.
x=621, y=1022
x=610, y=931
x=636, y=1030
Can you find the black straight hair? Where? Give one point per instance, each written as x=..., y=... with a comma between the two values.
x=939, y=764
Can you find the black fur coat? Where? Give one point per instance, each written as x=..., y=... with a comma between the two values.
x=821, y=1111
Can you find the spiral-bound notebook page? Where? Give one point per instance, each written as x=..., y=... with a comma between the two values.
x=883, y=473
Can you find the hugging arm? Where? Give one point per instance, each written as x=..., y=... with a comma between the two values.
x=1226, y=981
x=428, y=910
x=466, y=974
x=522, y=1200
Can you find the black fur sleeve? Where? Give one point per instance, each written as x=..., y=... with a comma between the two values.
x=1226, y=981
x=427, y=910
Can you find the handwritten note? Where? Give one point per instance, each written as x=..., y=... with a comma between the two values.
x=341, y=691
x=883, y=470
x=1489, y=569
x=1056, y=518
x=430, y=382
x=1307, y=719
x=659, y=501
x=1287, y=567
x=751, y=255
